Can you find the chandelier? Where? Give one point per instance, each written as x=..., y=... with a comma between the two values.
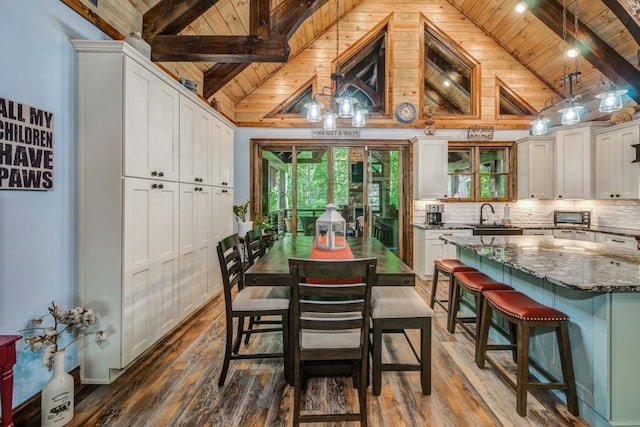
x=610, y=100
x=346, y=106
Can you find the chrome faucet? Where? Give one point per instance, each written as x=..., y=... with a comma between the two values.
x=482, y=219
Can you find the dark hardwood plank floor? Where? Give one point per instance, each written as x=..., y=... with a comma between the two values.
x=176, y=385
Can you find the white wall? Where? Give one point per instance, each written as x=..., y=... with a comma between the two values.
x=37, y=228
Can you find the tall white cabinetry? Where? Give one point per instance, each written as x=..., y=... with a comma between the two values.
x=430, y=168
x=616, y=176
x=150, y=205
x=574, y=161
x=535, y=167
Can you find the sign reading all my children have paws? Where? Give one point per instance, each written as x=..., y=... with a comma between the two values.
x=26, y=147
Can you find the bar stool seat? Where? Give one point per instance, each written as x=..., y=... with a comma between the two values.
x=394, y=309
x=475, y=282
x=526, y=313
x=447, y=267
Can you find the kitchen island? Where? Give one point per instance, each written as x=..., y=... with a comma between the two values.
x=599, y=288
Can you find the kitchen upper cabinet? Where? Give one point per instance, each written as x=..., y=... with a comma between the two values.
x=574, y=161
x=150, y=114
x=196, y=143
x=535, y=167
x=616, y=176
x=222, y=155
x=430, y=168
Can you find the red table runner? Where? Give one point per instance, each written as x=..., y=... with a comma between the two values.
x=343, y=253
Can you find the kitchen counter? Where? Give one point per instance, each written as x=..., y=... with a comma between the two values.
x=585, y=266
x=598, y=287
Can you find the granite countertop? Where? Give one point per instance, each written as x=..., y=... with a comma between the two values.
x=628, y=232
x=585, y=266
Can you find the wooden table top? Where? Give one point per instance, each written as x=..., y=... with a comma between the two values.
x=273, y=268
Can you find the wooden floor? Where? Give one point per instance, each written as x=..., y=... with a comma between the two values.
x=177, y=385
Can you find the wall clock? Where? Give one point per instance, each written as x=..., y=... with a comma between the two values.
x=406, y=112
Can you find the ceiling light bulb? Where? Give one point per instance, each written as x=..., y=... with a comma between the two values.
x=330, y=121
x=570, y=114
x=521, y=7
x=611, y=100
x=359, y=119
x=314, y=111
x=539, y=126
x=346, y=109
x=572, y=53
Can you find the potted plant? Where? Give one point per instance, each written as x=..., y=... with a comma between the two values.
x=240, y=211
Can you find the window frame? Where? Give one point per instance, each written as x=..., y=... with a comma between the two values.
x=511, y=170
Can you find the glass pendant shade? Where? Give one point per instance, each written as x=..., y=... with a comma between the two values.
x=359, y=119
x=346, y=109
x=314, y=111
x=611, y=100
x=330, y=121
x=570, y=114
x=539, y=126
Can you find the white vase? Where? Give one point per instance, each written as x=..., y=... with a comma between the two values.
x=243, y=227
x=57, y=395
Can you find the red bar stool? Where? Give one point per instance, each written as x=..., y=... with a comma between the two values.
x=525, y=313
x=475, y=283
x=446, y=267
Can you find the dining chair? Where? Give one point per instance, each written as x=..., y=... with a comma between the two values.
x=250, y=301
x=331, y=307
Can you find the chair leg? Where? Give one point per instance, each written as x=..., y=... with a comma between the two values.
x=362, y=389
x=513, y=339
x=252, y=323
x=454, y=304
x=425, y=356
x=238, y=339
x=377, y=358
x=522, y=384
x=434, y=287
x=483, y=337
x=566, y=362
x=227, y=352
x=297, y=393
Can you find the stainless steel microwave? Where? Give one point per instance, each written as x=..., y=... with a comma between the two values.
x=572, y=217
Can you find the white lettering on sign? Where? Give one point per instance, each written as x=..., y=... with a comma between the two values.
x=338, y=133
x=26, y=147
x=482, y=133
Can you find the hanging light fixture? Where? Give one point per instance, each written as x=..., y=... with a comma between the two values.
x=611, y=99
x=540, y=125
x=347, y=106
x=571, y=113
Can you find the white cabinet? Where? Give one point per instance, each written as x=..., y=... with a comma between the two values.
x=617, y=241
x=616, y=176
x=222, y=155
x=428, y=247
x=535, y=167
x=135, y=225
x=150, y=264
x=585, y=236
x=537, y=232
x=430, y=168
x=574, y=161
x=222, y=226
x=196, y=143
x=150, y=114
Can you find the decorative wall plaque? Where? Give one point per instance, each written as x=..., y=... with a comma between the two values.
x=480, y=133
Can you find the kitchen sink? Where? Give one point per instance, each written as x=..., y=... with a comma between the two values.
x=496, y=230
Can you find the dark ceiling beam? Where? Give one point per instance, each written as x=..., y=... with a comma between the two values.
x=591, y=47
x=259, y=18
x=285, y=19
x=623, y=15
x=166, y=48
x=172, y=16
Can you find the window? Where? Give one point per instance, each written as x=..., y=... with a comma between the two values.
x=481, y=172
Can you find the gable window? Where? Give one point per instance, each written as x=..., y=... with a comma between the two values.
x=481, y=171
x=450, y=76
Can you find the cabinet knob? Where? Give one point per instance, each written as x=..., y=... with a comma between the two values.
x=154, y=186
x=560, y=196
x=532, y=196
x=224, y=183
x=160, y=173
x=224, y=191
x=154, y=173
x=610, y=195
x=160, y=186
x=617, y=195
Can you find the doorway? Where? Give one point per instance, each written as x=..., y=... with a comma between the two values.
x=293, y=182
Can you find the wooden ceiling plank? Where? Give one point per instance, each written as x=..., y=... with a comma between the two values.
x=592, y=48
x=172, y=16
x=627, y=20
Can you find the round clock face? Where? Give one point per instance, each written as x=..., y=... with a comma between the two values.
x=406, y=112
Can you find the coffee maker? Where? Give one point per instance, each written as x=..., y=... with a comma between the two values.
x=434, y=214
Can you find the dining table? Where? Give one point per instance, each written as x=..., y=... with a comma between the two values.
x=273, y=267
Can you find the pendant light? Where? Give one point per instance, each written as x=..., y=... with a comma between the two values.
x=540, y=125
x=611, y=99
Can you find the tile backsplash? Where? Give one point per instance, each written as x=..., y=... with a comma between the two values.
x=604, y=213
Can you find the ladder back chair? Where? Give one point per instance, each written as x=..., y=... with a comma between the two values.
x=331, y=307
x=251, y=301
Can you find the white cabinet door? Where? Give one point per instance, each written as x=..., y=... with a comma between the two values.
x=151, y=111
x=418, y=252
x=616, y=176
x=222, y=226
x=574, y=164
x=222, y=154
x=535, y=167
x=585, y=236
x=617, y=241
x=150, y=263
x=430, y=168
x=435, y=248
x=196, y=143
x=537, y=232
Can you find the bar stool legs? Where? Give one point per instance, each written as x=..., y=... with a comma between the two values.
x=446, y=267
x=525, y=313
